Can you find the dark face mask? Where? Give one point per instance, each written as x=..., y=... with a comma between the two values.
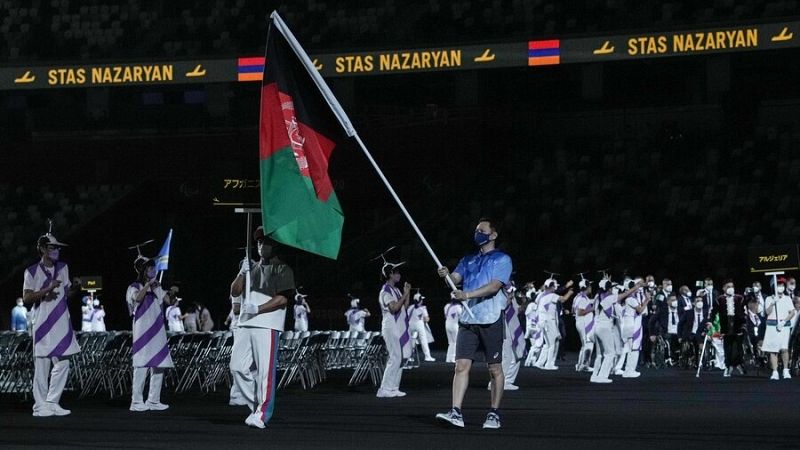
x=481, y=238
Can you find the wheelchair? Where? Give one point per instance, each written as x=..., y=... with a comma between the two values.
x=660, y=353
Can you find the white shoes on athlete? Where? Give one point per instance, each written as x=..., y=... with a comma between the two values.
x=384, y=393
x=595, y=379
x=254, y=420
x=51, y=409
x=148, y=406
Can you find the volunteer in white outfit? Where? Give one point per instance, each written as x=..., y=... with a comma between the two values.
x=418, y=321
x=149, y=349
x=87, y=311
x=779, y=310
x=606, y=336
x=99, y=317
x=532, y=330
x=261, y=321
x=452, y=311
x=46, y=286
x=301, y=312
x=513, y=341
x=394, y=329
x=635, y=306
x=355, y=316
x=548, y=320
x=583, y=309
x=174, y=317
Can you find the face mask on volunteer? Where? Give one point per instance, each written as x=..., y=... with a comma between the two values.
x=481, y=238
x=651, y=284
x=756, y=289
x=668, y=288
x=729, y=291
x=781, y=289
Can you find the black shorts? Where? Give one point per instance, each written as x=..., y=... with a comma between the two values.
x=473, y=340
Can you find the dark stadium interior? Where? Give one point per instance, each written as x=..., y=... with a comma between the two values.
x=665, y=166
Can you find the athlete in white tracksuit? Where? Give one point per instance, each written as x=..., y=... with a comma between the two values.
x=46, y=286
x=98, y=317
x=262, y=314
x=548, y=320
x=452, y=311
x=583, y=309
x=418, y=321
x=606, y=335
x=394, y=329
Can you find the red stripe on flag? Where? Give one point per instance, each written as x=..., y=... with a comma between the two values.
x=537, y=45
x=252, y=61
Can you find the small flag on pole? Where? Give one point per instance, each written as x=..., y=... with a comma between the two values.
x=162, y=260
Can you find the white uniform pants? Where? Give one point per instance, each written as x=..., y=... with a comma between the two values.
x=259, y=347
x=605, y=349
x=719, y=350
x=552, y=337
x=44, y=391
x=394, y=365
x=137, y=387
x=510, y=362
x=586, y=345
x=422, y=338
x=236, y=395
x=301, y=325
x=451, y=327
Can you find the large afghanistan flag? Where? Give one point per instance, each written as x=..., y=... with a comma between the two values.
x=298, y=132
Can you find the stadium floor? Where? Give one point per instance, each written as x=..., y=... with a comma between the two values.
x=561, y=409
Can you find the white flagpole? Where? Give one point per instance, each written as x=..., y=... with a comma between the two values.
x=344, y=120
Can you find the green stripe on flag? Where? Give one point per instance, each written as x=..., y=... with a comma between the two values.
x=291, y=211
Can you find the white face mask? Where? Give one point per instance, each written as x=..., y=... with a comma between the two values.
x=790, y=287
x=729, y=291
x=673, y=304
x=668, y=288
x=20, y=303
x=710, y=287
x=781, y=289
x=651, y=284
x=698, y=305
x=756, y=289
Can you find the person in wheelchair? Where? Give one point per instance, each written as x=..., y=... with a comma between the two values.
x=692, y=327
x=664, y=323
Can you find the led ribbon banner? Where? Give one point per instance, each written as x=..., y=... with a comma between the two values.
x=535, y=53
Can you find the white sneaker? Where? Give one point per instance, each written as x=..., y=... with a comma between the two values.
x=156, y=406
x=588, y=369
x=510, y=387
x=383, y=393
x=452, y=417
x=254, y=420
x=550, y=368
x=774, y=375
x=398, y=394
x=727, y=373
x=43, y=411
x=578, y=367
x=430, y=359
x=492, y=421
x=618, y=372
x=138, y=407
x=633, y=374
x=600, y=380
x=58, y=410
x=786, y=374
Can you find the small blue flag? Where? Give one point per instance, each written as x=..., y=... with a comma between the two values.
x=162, y=260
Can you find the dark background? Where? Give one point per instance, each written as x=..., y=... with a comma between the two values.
x=672, y=166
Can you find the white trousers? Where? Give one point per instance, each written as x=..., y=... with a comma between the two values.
x=301, y=325
x=422, y=337
x=510, y=362
x=451, y=327
x=259, y=347
x=552, y=337
x=394, y=365
x=584, y=359
x=605, y=349
x=137, y=387
x=44, y=391
x=236, y=395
